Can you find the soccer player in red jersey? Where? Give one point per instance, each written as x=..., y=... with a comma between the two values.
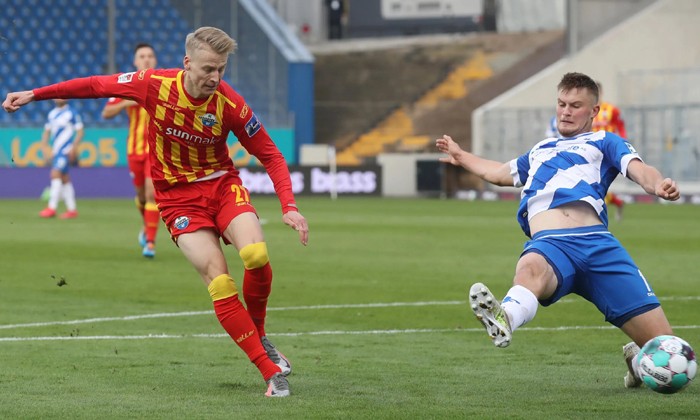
x=610, y=120
x=137, y=152
x=197, y=188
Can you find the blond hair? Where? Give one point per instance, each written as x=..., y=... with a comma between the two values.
x=213, y=38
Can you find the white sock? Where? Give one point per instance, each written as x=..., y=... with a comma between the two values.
x=69, y=196
x=55, y=194
x=521, y=306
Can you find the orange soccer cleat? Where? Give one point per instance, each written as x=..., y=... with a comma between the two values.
x=70, y=214
x=47, y=212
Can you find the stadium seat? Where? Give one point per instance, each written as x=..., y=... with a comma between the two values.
x=63, y=39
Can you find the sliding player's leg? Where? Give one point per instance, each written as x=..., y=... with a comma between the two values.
x=241, y=227
x=203, y=250
x=620, y=291
x=544, y=274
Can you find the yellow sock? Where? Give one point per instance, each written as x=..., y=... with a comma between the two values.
x=222, y=287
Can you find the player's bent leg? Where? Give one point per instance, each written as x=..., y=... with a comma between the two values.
x=646, y=326
x=203, y=250
x=245, y=233
x=534, y=279
x=641, y=329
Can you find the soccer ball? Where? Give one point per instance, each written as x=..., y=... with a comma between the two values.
x=667, y=364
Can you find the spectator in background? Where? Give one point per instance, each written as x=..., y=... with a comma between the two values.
x=65, y=129
x=336, y=10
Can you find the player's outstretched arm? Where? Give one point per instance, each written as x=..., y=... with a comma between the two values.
x=121, y=85
x=496, y=173
x=15, y=100
x=651, y=180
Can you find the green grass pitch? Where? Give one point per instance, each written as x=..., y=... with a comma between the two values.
x=360, y=251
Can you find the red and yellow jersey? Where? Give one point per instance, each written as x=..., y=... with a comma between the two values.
x=609, y=119
x=137, y=141
x=186, y=136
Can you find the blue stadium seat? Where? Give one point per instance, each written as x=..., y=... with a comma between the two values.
x=62, y=39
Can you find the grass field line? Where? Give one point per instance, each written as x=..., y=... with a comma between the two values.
x=190, y=313
x=314, y=333
x=287, y=308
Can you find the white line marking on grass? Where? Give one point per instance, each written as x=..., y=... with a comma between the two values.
x=313, y=333
x=189, y=313
x=288, y=308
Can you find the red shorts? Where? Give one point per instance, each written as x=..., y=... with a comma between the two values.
x=213, y=204
x=139, y=169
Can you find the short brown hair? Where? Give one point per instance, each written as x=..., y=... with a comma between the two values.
x=579, y=81
x=144, y=45
x=214, y=38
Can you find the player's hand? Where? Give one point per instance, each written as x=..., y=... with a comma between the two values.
x=298, y=223
x=17, y=99
x=447, y=145
x=668, y=190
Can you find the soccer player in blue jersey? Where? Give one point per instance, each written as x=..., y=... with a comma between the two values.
x=65, y=128
x=562, y=210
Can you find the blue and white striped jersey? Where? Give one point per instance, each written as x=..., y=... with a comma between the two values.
x=63, y=123
x=560, y=171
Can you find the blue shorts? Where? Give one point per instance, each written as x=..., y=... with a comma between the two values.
x=591, y=263
x=61, y=163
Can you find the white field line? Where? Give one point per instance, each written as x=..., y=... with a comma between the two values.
x=313, y=333
x=190, y=313
x=288, y=308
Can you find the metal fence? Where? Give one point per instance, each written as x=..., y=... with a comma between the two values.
x=666, y=136
x=258, y=70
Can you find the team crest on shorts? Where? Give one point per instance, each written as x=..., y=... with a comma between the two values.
x=208, y=119
x=182, y=222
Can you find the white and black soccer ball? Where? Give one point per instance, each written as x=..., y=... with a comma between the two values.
x=667, y=364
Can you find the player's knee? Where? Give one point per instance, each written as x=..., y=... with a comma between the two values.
x=222, y=287
x=254, y=255
x=534, y=273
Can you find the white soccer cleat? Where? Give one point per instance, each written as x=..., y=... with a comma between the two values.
x=276, y=356
x=630, y=351
x=277, y=386
x=489, y=312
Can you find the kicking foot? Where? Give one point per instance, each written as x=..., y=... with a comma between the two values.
x=149, y=251
x=630, y=351
x=47, y=212
x=489, y=312
x=276, y=357
x=70, y=214
x=142, y=238
x=277, y=386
